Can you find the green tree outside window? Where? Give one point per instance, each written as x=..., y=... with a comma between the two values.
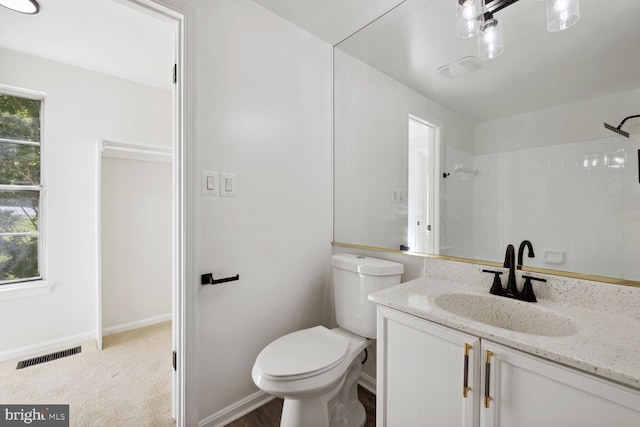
x=19, y=187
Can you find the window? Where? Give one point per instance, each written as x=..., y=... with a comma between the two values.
x=20, y=187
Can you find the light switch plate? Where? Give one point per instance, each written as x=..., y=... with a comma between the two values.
x=210, y=183
x=398, y=195
x=228, y=184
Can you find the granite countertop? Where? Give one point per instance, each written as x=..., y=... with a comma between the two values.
x=606, y=342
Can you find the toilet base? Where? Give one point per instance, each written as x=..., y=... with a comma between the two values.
x=337, y=407
x=356, y=416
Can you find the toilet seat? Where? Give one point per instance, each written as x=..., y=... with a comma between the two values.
x=302, y=354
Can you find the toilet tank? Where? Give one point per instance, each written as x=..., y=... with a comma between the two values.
x=354, y=278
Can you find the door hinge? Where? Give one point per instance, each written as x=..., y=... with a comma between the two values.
x=175, y=73
x=175, y=360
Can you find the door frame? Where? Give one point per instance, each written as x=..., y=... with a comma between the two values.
x=434, y=172
x=185, y=253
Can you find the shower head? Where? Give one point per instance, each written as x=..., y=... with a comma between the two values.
x=618, y=129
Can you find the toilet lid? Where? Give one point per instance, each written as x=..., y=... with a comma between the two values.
x=303, y=353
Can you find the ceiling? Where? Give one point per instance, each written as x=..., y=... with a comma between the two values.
x=98, y=35
x=330, y=20
x=108, y=36
x=538, y=69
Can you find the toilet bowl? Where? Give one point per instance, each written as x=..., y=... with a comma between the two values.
x=316, y=370
x=309, y=369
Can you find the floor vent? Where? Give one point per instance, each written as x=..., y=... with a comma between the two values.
x=49, y=357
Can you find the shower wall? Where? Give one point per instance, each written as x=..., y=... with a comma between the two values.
x=567, y=184
x=578, y=204
x=456, y=205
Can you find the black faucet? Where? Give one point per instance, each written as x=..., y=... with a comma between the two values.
x=521, y=250
x=510, y=263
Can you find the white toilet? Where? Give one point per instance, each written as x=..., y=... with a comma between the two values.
x=316, y=370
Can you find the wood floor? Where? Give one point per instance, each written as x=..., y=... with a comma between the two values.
x=269, y=415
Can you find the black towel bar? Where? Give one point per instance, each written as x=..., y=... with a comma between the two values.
x=207, y=279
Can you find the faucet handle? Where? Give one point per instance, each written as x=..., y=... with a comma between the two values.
x=527, y=290
x=496, y=287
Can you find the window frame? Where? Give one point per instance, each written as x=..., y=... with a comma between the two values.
x=32, y=284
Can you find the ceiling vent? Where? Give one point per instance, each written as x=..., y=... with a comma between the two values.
x=460, y=67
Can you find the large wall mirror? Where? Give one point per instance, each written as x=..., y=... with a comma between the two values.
x=438, y=151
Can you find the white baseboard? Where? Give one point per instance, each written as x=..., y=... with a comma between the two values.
x=135, y=325
x=259, y=398
x=236, y=410
x=47, y=347
x=61, y=343
x=368, y=382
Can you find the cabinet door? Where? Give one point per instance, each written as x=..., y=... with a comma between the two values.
x=421, y=370
x=526, y=391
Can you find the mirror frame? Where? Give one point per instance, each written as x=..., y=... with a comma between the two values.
x=593, y=278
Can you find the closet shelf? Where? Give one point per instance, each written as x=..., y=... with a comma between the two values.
x=136, y=151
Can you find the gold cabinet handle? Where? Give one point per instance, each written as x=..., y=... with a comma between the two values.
x=465, y=379
x=487, y=374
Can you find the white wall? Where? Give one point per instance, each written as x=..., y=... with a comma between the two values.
x=136, y=241
x=575, y=122
x=264, y=113
x=80, y=107
x=371, y=122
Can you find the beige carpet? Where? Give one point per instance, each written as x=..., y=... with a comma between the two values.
x=127, y=384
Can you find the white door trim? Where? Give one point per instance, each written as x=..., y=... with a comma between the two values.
x=98, y=236
x=433, y=191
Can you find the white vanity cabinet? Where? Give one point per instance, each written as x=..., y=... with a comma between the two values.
x=421, y=371
x=528, y=391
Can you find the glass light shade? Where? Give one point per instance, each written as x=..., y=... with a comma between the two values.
x=562, y=14
x=467, y=13
x=490, y=42
x=23, y=6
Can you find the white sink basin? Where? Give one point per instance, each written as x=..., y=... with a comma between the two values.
x=518, y=316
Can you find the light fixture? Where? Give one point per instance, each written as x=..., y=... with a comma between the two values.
x=475, y=17
x=490, y=42
x=467, y=13
x=30, y=7
x=561, y=14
